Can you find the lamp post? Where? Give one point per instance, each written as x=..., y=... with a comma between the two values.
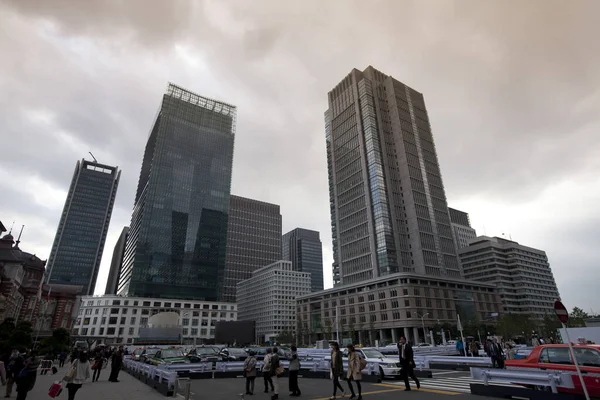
x=423, y=325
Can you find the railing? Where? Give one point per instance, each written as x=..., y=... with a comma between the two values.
x=554, y=379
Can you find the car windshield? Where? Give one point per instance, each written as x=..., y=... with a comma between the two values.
x=237, y=352
x=206, y=351
x=151, y=352
x=174, y=353
x=370, y=353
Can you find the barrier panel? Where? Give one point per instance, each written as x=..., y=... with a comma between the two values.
x=551, y=379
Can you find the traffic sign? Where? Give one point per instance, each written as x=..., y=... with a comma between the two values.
x=561, y=312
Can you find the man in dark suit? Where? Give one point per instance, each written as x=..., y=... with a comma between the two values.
x=407, y=362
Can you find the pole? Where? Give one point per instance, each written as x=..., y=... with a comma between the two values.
x=587, y=396
x=423, y=326
x=461, y=336
x=337, y=325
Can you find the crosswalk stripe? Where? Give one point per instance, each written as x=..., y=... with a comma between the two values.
x=458, y=384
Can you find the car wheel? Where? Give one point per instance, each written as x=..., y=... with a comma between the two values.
x=381, y=375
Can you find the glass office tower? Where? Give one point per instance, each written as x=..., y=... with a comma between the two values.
x=178, y=232
x=304, y=249
x=77, y=250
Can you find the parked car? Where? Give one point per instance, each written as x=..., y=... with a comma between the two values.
x=204, y=354
x=233, y=354
x=260, y=353
x=388, y=367
x=168, y=356
x=147, y=354
x=557, y=357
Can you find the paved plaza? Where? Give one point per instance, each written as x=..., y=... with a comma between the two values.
x=443, y=386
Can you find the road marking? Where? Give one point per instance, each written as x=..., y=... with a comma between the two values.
x=423, y=390
x=365, y=393
x=447, y=372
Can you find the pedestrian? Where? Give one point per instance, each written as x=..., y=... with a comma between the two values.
x=337, y=369
x=354, y=371
x=460, y=347
x=274, y=373
x=496, y=354
x=74, y=355
x=294, y=369
x=267, y=371
x=61, y=359
x=82, y=373
x=97, y=367
x=474, y=349
x=407, y=363
x=26, y=376
x=14, y=363
x=116, y=364
x=2, y=373
x=250, y=372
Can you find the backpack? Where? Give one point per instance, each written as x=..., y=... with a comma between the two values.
x=267, y=363
x=362, y=363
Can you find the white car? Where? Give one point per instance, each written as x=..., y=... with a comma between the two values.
x=388, y=367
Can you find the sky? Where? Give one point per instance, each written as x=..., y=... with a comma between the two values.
x=512, y=90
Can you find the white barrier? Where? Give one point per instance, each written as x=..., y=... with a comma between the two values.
x=553, y=379
x=425, y=361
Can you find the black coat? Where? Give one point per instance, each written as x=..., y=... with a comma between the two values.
x=409, y=359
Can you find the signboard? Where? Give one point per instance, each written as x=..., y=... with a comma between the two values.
x=561, y=312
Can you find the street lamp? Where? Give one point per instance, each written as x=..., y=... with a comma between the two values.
x=423, y=325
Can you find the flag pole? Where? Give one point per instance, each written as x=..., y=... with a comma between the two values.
x=461, y=335
x=337, y=325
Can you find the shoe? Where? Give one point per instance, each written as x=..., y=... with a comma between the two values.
x=359, y=397
x=418, y=385
x=353, y=396
x=407, y=390
x=266, y=390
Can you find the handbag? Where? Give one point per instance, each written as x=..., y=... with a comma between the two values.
x=280, y=370
x=55, y=389
x=70, y=375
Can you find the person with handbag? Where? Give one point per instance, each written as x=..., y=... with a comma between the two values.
x=276, y=371
x=267, y=371
x=27, y=375
x=250, y=372
x=354, y=371
x=97, y=367
x=78, y=373
x=407, y=363
x=13, y=366
x=337, y=369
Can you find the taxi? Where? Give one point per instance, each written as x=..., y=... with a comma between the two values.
x=168, y=356
x=557, y=357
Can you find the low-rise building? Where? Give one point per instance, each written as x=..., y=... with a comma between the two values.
x=269, y=299
x=521, y=274
x=390, y=306
x=113, y=319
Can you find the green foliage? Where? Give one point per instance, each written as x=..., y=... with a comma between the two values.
x=515, y=325
x=15, y=336
x=286, y=337
x=576, y=318
x=550, y=325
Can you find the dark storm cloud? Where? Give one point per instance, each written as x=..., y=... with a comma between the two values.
x=509, y=89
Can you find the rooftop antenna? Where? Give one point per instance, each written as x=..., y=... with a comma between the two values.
x=19, y=238
x=93, y=156
x=11, y=228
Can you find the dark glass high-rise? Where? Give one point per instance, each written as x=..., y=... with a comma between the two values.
x=79, y=242
x=178, y=232
x=304, y=249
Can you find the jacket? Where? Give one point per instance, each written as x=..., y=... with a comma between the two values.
x=337, y=364
x=250, y=367
x=267, y=363
x=27, y=382
x=354, y=366
x=274, y=364
x=295, y=362
x=82, y=371
x=408, y=360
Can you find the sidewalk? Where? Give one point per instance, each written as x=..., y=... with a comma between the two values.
x=128, y=388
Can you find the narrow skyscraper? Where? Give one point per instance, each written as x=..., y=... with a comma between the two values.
x=304, y=249
x=177, y=237
x=77, y=250
x=388, y=206
x=253, y=241
x=117, y=260
x=461, y=228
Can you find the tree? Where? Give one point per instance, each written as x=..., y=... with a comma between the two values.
x=285, y=337
x=549, y=326
x=372, y=328
x=577, y=318
x=351, y=330
x=327, y=328
x=516, y=325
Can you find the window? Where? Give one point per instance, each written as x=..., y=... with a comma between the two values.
x=95, y=320
x=121, y=330
x=123, y=320
x=194, y=331
x=144, y=321
x=132, y=321
x=116, y=302
x=123, y=311
x=555, y=355
x=131, y=331
x=96, y=311
x=587, y=357
x=110, y=331
x=186, y=321
x=101, y=332
x=114, y=310
x=408, y=314
x=134, y=311
x=146, y=304
x=112, y=320
x=103, y=321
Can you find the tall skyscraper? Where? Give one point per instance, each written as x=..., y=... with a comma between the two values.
x=253, y=241
x=117, y=260
x=388, y=206
x=304, y=249
x=178, y=232
x=520, y=274
x=79, y=241
x=461, y=228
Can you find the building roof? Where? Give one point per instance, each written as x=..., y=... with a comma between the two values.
x=2, y=227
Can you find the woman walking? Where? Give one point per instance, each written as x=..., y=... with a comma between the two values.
x=337, y=369
x=26, y=376
x=250, y=372
x=267, y=371
x=294, y=369
x=274, y=367
x=82, y=373
x=97, y=367
x=354, y=373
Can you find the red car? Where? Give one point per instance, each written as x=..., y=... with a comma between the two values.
x=558, y=358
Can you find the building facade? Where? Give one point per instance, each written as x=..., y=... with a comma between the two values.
x=269, y=299
x=178, y=232
x=393, y=305
x=304, y=249
x=461, y=228
x=79, y=242
x=253, y=241
x=388, y=205
x=117, y=320
x=521, y=274
x=117, y=260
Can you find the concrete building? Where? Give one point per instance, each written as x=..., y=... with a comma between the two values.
x=117, y=260
x=461, y=228
x=253, y=241
x=389, y=306
x=521, y=274
x=79, y=242
x=115, y=319
x=269, y=299
x=388, y=205
x=304, y=249
x=178, y=232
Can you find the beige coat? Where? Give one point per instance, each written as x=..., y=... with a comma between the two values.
x=354, y=366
